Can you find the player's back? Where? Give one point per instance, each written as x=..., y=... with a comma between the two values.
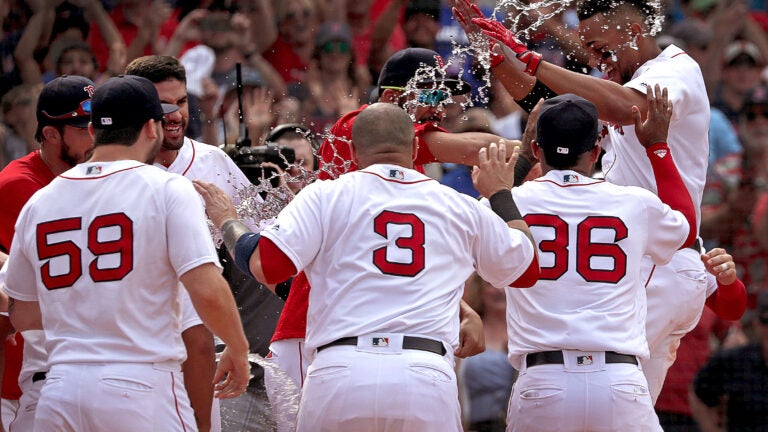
x=109, y=240
x=625, y=162
x=591, y=237
x=393, y=250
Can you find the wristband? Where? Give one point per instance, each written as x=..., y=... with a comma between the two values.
x=531, y=59
x=538, y=92
x=244, y=249
x=504, y=205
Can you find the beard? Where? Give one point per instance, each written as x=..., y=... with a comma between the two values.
x=176, y=142
x=70, y=159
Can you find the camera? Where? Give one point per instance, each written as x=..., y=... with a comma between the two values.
x=250, y=159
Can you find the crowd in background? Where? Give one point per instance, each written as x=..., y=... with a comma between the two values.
x=312, y=61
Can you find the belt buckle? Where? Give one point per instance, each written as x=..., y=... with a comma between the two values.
x=584, y=360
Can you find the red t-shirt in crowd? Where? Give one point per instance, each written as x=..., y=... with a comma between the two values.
x=18, y=182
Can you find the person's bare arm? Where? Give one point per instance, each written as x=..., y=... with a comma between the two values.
x=263, y=18
x=382, y=31
x=112, y=37
x=214, y=303
x=199, y=369
x=706, y=417
x=24, y=315
x=39, y=24
x=471, y=335
x=460, y=148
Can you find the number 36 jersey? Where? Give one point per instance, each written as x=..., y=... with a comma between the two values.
x=101, y=248
x=387, y=249
x=591, y=236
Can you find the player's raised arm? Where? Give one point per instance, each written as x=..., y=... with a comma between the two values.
x=245, y=246
x=494, y=178
x=652, y=134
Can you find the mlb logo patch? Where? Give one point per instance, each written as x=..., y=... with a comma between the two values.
x=563, y=150
x=584, y=360
x=397, y=174
x=380, y=342
x=106, y=120
x=93, y=170
x=570, y=178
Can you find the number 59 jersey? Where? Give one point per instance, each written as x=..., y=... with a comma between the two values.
x=387, y=249
x=102, y=248
x=591, y=236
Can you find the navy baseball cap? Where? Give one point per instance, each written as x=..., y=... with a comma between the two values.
x=65, y=101
x=405, y=65
x=567, y=127
x=127, y=101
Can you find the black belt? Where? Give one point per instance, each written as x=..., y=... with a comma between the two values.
x=409, y=342
x=696, y=245
x=38, y=376
x=556, y=357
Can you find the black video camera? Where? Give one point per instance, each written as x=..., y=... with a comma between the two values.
x=250, y=160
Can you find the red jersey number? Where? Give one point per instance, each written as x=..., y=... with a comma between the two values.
x=586, y=249
x=122, y=245
x=414, y=243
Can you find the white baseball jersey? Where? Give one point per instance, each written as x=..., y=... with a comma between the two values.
x=591, y=237
x=102, y=248
x=200, y=161
x=625, y=162
x=387, y=249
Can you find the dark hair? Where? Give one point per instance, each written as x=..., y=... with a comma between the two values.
x=124, y=136
x=588, y=8
x=157, y=68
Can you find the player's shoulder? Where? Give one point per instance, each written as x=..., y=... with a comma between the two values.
x=206, y=150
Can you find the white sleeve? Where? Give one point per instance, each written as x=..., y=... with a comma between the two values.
x=298, y=229
x=189, y=241
x=21, y=276
x=502, y=254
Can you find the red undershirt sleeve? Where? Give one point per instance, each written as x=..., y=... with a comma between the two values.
x=671, y=188
x=530, y=276
x=729, y=301
x=275, y=264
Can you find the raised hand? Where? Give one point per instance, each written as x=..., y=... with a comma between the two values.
x=494, y=172
x=218, y=206
x=656, y=126
x=465, y=12
x=497, y=32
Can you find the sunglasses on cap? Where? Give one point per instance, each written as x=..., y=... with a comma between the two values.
x=753, y=114
x=337, y=46
x=83, y=110
x=431, y=97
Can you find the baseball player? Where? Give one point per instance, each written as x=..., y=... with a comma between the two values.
x=384, y=321
x=576, y=336
x=618, y=36
x=84, y=268
x=63, y=113
x=423, y=69
x=193, y=160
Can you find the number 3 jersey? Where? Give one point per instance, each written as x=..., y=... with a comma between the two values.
x=102, y=248
x=387, y=249
x=591, y=236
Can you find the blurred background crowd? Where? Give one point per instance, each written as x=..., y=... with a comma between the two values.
x=308, y=62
